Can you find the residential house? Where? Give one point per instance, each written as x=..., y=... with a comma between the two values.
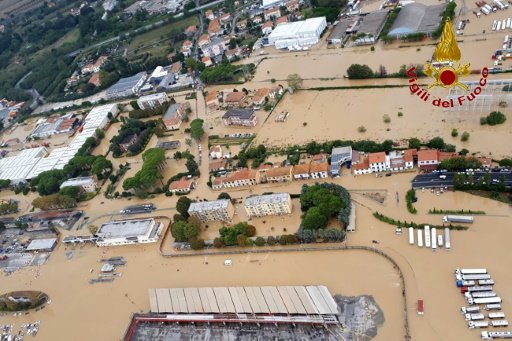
x=239, y=178
x=209, y=14
x=241, y=24
x=379, y=162
x=486, y=161
x=225, y=18
x=191, y=30
x=233, y=53
x=292, y=5
x=213, y=48
x=446, y=155
x=271, y=204
x=95, y=79
x=216, y=152
x=272, y=13
x=339, y=155
x=207, y=61
x=428, y=159
x=409, y=156
x=212, y=99
x=234, y=99
x=204, y=39
x=174, y=115
x=362, y=167
x=276, y=92
x=301, y=171
x=176, y=68
x=214, y=28
x=152, y=101
x=281, y=20
x=257, y=19
x=240, y=117
x=86, y=184
x=319, y=170
x=319, y=158
x=127, y=142
x=182, y=186
x=217, y=184
x=91, y=68
x=205, y=211
x=185, y=48
x=259, y=96
x=280, y=174
x=217, y=165
x=266, y=28
x=396, y=161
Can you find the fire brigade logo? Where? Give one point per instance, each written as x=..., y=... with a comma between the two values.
x=446, y=54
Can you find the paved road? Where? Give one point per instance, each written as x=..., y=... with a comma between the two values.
x=433, y=180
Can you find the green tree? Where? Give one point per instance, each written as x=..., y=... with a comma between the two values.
x=260, y=241
x=414, y=143
x=197, y=244
x=465, y=136
x=135, y=105
x=436, y=143
x=101, y=166
x=72, y=191
x=294, y=81
x=182, y=206
x=224, y=195
x=184, y=231
x=196, y=129
x=495, y=118
x=314, y=219
x=455, y=132
x=358, y=71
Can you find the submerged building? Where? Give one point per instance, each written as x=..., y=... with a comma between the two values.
x=132, y=231
x=298, y=33
x=417, y=18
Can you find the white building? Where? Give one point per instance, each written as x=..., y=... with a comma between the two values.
x=272, y=3
x=272, y=204
x=17, y=168
x=133, y=231
x=98, y=116
x=152, y=101
x=86, y=183
x=126, y=86
x=379, y=162
x=297, y=34
x=206, y=211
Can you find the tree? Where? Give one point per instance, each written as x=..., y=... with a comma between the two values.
x=495, y=118
x=224, y=195
x=240, y=240
x=251, y=231
x=259, y=241
x=465, y=136
x=463, y=152
x=314, y=219
x=191, y=63
x=358, y=71
x=72, y=191
x=101, y=166
x=414, y=143
x=436, y=143
x=182, y=206
x=184, y=231
x=54, y=201
x=196, y=129
x=217, y=242
x=455, y=132
x=135, y=105
x=99, y=133
x=294, y=81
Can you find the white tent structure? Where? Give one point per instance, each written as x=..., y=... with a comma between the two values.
x=297, y=34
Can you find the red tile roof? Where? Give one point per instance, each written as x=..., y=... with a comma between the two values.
x=181, y=184
x=428, y=155
x=377, y=157
x=235, y=97
x=365, y=164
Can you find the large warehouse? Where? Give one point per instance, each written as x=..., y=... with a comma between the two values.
x=131, y=231
x=417, y=18
x=298, y=33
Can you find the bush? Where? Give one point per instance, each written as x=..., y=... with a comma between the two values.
x=495, y=118
x=358, y=71
x=400, y=114
x=386, y=118
x=197, y=244
x=410, y=198
x=361, y=129
x=271, y=241
x=465, y=136
x=455, y=132
x=483, y=121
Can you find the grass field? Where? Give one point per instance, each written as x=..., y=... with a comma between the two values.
x=71, y=37
x=8, y=7
x=157, y=41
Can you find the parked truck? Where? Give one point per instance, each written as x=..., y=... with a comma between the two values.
x=458, y=219
x=463, y=271
x=447, y=240
x=486, y=335
x=478, y=324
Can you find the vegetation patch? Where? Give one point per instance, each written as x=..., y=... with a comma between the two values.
x=144, y=180
x=322, y=202
x=438, y=211
x=412, y=224
x=134, y=129
x=22, y=300
x=410, y=198
x=494, y=118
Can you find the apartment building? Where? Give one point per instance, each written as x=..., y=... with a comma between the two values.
x=152, y=101
x=238, y=178
x=280, y=174
x=272, y=204
x=217, y=210
x=240, y=117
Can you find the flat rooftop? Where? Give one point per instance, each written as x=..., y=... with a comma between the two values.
x=208, y=205
x=290, y=300
x=41, y=244
x=125, y=228
x=267, y=199
x=373, y=23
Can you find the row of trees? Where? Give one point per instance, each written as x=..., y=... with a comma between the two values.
x=399, y=223
x=54, y=201
x=321, y=202
x=363, y=71
x=460, y=164
x=145, y=179
x=258, y=156
x=484, y=183
x=236, y=234
x=410, y=198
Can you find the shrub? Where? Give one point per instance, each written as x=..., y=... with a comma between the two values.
x=495, y=118
x=386, y=118
x=455, y=132
x=260, y=241
x=271, y=241
x=465, y=136
x=410, y=197
x=361, y=129
x=483, y=121
x=304, y=124
x=400, y=114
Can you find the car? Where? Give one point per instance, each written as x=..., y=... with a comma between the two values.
x=442, y=177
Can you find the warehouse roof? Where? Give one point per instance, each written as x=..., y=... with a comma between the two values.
x=417, y=17
x=125, y=228
x=127, y=83
x=313, y=300
x=41, y=244
x=297, y=27
x=373, y=23
x=18, y=167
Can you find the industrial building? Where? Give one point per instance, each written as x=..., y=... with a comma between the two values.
x=53, y=126
x=152, y=101
x=98, y=117
x=371, y=26
x=18, y=168
x=126, y=87
x=206, y=211
x=86, y=184
x=132, y=231
x=42, y=245
x=298, y=33
x=271, y=204
x=417, y=18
